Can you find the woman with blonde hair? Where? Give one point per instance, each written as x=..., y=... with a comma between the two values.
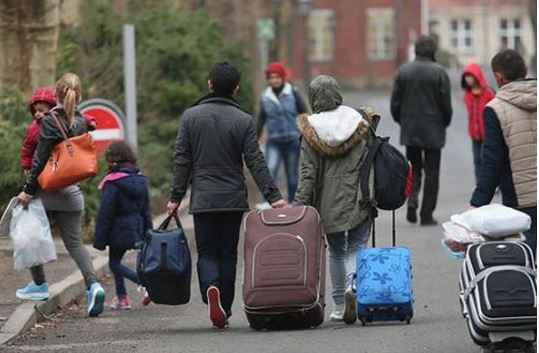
x=64, y=206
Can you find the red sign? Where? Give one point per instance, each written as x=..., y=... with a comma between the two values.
x=109, y=122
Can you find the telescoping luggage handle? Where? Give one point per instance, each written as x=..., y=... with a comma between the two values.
x=393, y=230
x=166, y=222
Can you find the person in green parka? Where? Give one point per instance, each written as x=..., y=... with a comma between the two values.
x=334, y=142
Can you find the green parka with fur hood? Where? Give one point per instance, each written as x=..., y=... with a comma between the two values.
x=333, y=147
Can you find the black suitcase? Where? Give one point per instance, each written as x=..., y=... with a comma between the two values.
x=498, y=293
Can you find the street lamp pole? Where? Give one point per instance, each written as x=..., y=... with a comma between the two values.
x=305, y=10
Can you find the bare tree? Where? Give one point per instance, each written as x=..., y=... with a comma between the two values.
x=29, y=31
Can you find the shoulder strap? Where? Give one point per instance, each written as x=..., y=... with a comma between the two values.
x=60, y=126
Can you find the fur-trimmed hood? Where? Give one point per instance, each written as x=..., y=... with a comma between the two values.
x=334, y=133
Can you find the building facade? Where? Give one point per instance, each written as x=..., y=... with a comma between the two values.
x=475, y=30
x=361, y=43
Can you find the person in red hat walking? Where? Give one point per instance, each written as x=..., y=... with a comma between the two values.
x=280, y=105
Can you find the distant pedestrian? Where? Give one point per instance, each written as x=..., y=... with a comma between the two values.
x=280, y=105
x=214, y=139
x=332, y=149
x=64, y=206
x=477, y=94
x=124, y=217
x=510, y=145
x=421, y=105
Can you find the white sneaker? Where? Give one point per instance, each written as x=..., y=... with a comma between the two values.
x=337, y=313
x=263, y=206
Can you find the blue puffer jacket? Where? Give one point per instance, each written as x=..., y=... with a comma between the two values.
x=124, y=213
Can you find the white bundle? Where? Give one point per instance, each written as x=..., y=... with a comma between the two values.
x=495, y=221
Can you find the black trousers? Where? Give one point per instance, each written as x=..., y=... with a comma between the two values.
x=217, y=235
x=424, y=161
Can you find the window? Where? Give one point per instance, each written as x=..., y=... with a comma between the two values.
x=381, y=33
x=461, y=35
x=321, y=26
x=510, y=34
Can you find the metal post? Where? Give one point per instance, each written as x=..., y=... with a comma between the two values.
x=130, y=88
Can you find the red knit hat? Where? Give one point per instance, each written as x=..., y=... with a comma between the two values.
x=276, y=68
x=42, y=94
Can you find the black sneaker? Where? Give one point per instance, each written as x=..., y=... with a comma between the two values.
x=411, y=215
x=429, y=222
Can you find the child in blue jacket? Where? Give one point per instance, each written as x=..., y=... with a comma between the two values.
x=124, y=216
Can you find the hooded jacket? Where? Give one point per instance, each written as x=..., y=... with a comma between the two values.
x=475, y=103
x=124, y=213
x=332, y=149
x=510, y=147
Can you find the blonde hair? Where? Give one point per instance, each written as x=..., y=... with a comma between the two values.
x=68, y=93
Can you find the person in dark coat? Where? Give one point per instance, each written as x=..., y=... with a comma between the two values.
x=214, y=139
x=124, y=217
x=421, y=105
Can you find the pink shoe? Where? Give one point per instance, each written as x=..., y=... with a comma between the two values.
x=121, y=303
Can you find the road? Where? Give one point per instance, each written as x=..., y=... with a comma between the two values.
x=436, y=328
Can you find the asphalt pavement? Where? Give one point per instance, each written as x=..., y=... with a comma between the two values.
x=437, y=326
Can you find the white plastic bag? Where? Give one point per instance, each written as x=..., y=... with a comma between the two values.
x=31, y=235
x=494, y=221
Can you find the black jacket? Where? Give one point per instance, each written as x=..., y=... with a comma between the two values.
x=49, y=136
x=421, y=103
x=124, y=213
x=214, y=139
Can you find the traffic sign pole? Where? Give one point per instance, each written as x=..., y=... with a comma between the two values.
x=130, y=87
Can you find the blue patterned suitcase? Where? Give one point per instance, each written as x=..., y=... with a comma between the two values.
x=384, y=283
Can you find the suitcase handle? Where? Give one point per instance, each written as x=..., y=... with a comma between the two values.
x=166, y=222
x=393, y=228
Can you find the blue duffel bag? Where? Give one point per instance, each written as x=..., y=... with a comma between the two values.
x=164, y=264
x=383, y=283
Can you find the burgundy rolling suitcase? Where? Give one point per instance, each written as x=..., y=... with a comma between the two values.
x=284, y=273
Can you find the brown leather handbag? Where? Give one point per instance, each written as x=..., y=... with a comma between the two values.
x=71, y=161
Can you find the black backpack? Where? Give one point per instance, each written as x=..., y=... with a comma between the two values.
x=392, y=175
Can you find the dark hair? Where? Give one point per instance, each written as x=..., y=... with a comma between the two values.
x=224, y=78
x=510, y=63
x=119, y=153
x=426, y=46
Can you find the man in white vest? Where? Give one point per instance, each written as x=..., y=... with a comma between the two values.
x=510, y=145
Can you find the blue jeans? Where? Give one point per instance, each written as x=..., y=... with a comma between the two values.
x=120, y=271
x=477, y=146
x=287, y=152
x=217, y=235
x=343, y=250
x=531, y=234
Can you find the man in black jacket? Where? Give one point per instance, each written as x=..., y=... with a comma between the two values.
x=421, y=105
x=214, y=138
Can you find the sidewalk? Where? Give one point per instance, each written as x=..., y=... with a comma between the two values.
x=65, y=284
x=11, y=279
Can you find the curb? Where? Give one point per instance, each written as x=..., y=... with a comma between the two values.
x=61, y=293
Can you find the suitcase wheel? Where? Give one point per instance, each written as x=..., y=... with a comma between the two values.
x=407, y=318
